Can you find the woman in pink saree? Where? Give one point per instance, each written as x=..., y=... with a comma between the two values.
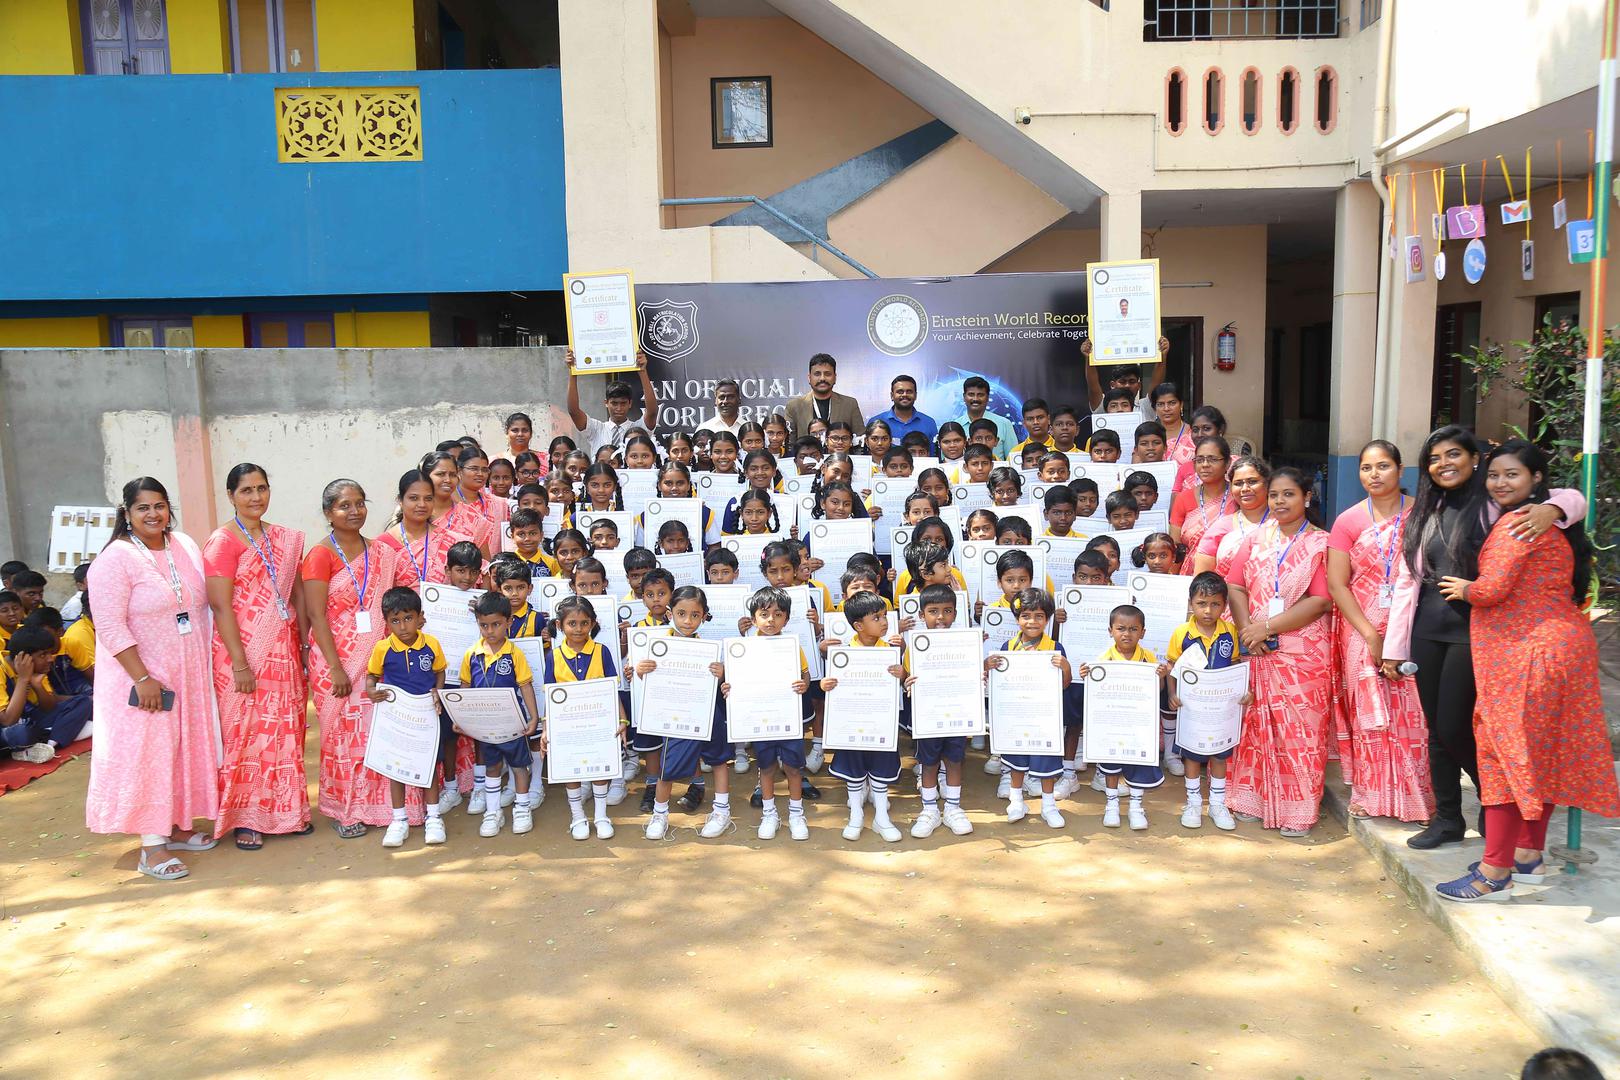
x=1387, y=763
x=1194, y=511
x=1279, y=598
x=258, y=605
x=1218, y=546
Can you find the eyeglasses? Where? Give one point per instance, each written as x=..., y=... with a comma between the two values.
x=1206, y=460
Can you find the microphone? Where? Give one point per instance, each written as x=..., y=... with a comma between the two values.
x=1407, y=667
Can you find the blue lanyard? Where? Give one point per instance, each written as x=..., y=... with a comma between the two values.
x=267, y=558
x=364, y=579
x=481, y=679
x=1224, y=492
x=426, y=536
x=1277, y=577
x=1388, y=554
x=1238, y=519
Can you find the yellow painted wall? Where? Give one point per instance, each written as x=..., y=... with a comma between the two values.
x=40, y=37
x=199, y=37
x=380, y=329
x=217, y=331
x=366, y=35
x=82, y=332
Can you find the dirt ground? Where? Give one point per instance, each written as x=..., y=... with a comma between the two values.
x=1018, y=950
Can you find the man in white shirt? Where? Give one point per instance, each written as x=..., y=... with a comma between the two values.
x=1124, y=377
x=619, y=401
x=727, y=399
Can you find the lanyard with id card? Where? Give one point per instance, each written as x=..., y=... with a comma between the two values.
x=362, y=617
x=1386, y=588
x=182, y=617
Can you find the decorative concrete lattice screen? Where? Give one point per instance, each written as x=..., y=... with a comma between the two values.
x=78, y=533
x=349, y=123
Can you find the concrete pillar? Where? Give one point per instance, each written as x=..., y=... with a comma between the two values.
x=1122, y=226
x=11, y=524
x=1410, y=389
x=1356, y=251
x=194, y=496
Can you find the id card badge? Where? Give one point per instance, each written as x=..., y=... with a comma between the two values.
x=362, y=622
x=1386, y=595
x=182, y=621
x=1275, y=607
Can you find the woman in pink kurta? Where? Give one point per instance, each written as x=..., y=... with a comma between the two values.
x=1279, y=600
x=345, y=576
x=1194, y=511
x=1387, y=757
x=152, y=771
x=258, y=604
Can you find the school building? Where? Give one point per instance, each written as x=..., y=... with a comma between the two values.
x=284, y=173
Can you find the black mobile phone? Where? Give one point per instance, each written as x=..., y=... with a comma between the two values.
x=168, y=699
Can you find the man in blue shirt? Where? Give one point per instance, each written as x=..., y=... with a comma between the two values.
x=904, y=418
x=976, y=399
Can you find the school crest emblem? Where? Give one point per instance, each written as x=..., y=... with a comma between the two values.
x=669, y=328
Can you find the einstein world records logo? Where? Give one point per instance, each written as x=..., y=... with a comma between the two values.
x=669, y=328
x=897, y=325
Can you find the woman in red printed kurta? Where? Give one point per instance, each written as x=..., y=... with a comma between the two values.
x=1538, y=717
x=258, y=604
x=1385, y=756
x=345, y=576
x=1279, y=599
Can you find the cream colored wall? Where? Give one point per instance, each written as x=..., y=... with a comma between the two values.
x=1234, y=259
x=825, y=110
x=991, y=209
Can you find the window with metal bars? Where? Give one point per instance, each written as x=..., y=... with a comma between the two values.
x=1213, y=20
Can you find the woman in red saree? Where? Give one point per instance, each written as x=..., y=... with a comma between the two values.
x=345, y=576
x=471, y=487
x=451, y=514
x=258, y=604
x=1279, y=598
x=1538, y=718
x=1386, y=760
x=1248, y=479
x=1194, y=511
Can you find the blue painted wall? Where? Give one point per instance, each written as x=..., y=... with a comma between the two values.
x=169, y=186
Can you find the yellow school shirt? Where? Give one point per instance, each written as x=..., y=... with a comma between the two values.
x=525, y=623
x=521, y=674
x=541, y=559
x=1019, y=449
x=1141, y=656
x=902, y=584
x=8, y=676
x=80, y=641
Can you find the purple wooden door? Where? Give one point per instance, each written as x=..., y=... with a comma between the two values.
x=126, y=37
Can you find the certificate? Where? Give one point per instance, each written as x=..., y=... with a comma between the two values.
x=990, y=554
x=1122, y=424
x=749, y=548
x=1210, y=719
x=1122, y=713
x=1026, y=704
x=910, y=605
x=547, y=591
x=889, y=495
x=798, y=485
x=638, y=486
x=612, y=560
x=1085, y=626
x=1105, y=474
x=623, y=520
x=787, y=511
x=727, y=604
x=1122, y=311
x=686, y=568
x=631, y=612
x=1032, y=514
x=864, y=469
x=1163, y=473
x=1153, y=520
x=447, y=615
x=688, y=512
x=798, y=626
x=602, y=329
x=678, y=702
x=638, y=642
x=582, y=731
x=763, y=705
x=1000, y=626
x=833, y=542
x=1061, y=551
x=970, y=560
x=403, y=743
x=488, y=714
x=948, y=696
x=835, y=626
x=970, y=496
x=1128, y=540
x=716, y=490
x=1163, y=600
x=863, y=710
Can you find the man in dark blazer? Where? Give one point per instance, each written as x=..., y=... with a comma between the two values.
x=822, y=402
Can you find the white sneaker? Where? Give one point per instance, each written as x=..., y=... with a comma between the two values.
x=1004, y=788
x=537, y=793
x=632, y=765
x=1138, y=817
x=977, y=742
x=37, y=754
x=798, y=827
x=740, y=763
x=886, y=829
x=1099, y=782
x=816, y=758
x=509, y=791
x=957, y=821
x=522, y=817
x=1192, y=815
x=1221, y=817
x=926, y=823
x=1174, y=765
x=580, y=829
x=1053, y=818
x=449, y=799
x=1017, y=811
x=992, y=765
x=1066, y=785
x=1111, y=814
x=657, y=827
x=768, y=826
x=433, y=831
x=615, y=794
x=857, y=822
x=491, y=825
x=1032, y=785
x=718, y=822
x=604, y=829
x=475, y=801
x=397, y=832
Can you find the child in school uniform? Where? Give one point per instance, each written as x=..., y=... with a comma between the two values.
x=770, y=608
x=410, y=662
x=1104, y=446
x=1059, y=507
x=1126, y=625
x=11, y=614
x=496, y=662
x=1086, y=498
x=867, y=770
x=36, y=720
x=781, y=563
x=1090, y=568
x=1121, y=510
x=577, y=657
x=653, y=587
x=513, y=579
x=528, y=542
x=681, y=759
x=1149, y=442
x=1142, y=487
x=1034, y=608
x=1217, y=639
x=938, y=604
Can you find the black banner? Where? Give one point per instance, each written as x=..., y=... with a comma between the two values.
x=1021, y=332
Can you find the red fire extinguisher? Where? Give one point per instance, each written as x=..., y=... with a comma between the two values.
x=1226, y=348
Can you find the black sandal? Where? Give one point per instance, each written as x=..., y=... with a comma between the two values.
x=309, y=827
x=245, y=839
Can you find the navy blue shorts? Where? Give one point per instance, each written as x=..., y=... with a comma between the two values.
x=1137, y=776
x=681, y=756
x=1039, y=766
x=952, y=748
x=789, y=753
x=515, y=753
x=857, y=766
x=1204, y=759
x=447, y=732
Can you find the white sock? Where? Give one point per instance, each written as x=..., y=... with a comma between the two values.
x=1195, y=789
x=576, y=803
x=492, y=794
x=953, y=795
x=1048, y=801
x=930, y=798
x=1168, y=737
x=857, y=797
x=1136, y=798
x=1068, y=768
x=880, y=802
x=479, y=772
x=816, y=744
x=770, y=807
x=432, y=811
x=661, y=808
x=1015, y=794
x=722, y=801
x=795, y=807
x=399, y=813
x=1113, y=796
x=599, y=793
x=1217, y=790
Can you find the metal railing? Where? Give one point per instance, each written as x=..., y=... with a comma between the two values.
x=816, y=242
x=1215, y=20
